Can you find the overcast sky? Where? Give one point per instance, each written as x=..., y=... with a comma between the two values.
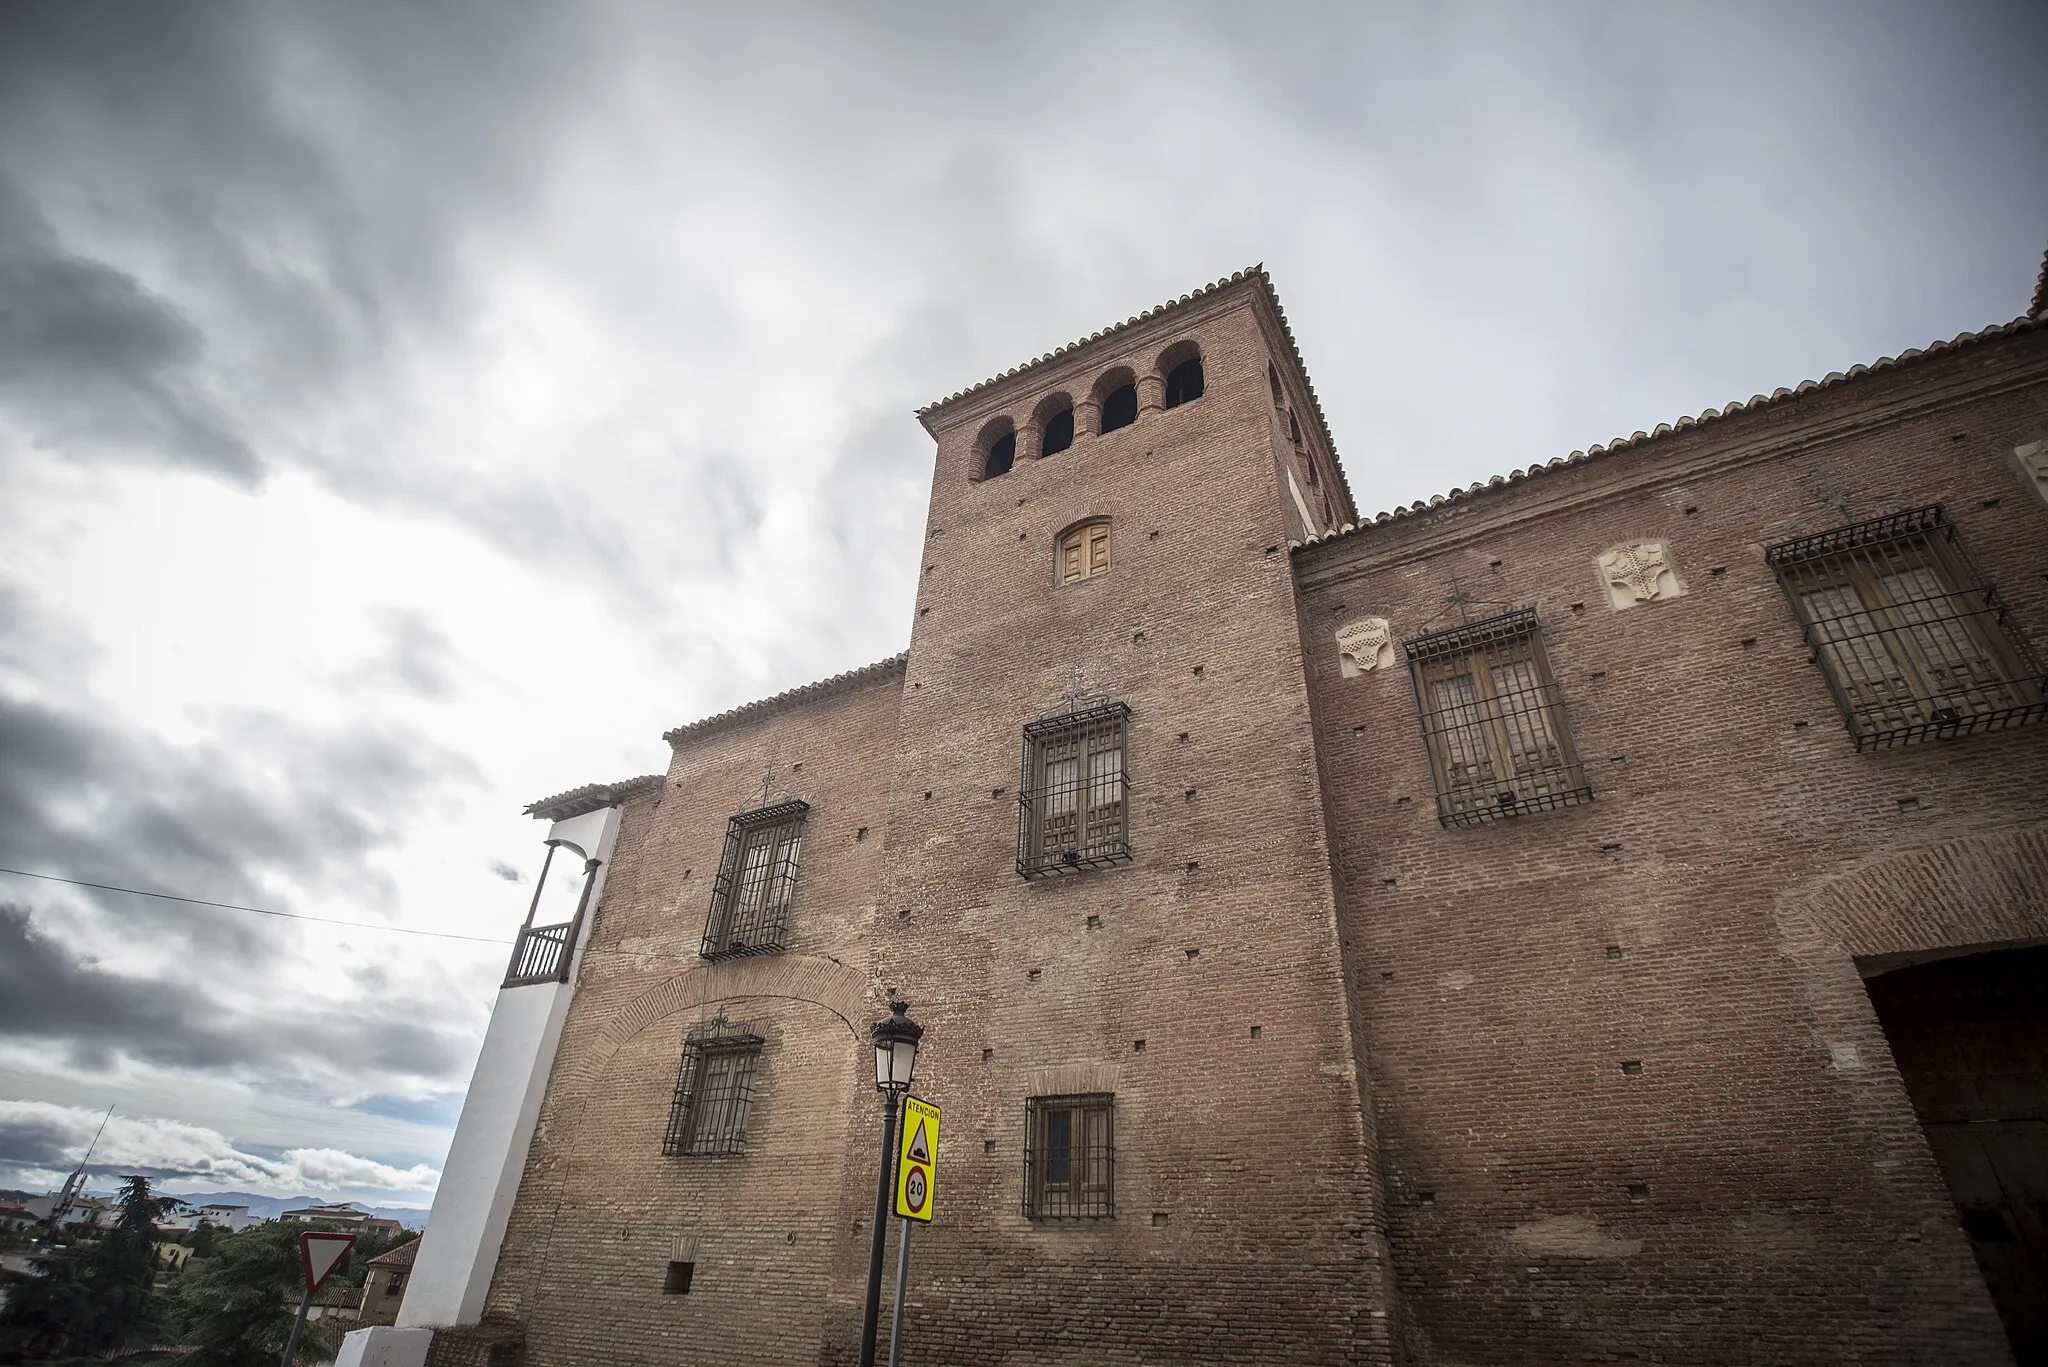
x=407, y=412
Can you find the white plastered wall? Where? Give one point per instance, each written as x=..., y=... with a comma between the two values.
x=459, y=1251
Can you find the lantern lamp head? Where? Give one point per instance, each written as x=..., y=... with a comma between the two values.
x=896, y=1037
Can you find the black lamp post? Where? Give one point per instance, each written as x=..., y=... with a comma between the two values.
x=896, y=1037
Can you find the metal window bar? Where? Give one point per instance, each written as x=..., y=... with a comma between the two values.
x=714, y=1087
x=1070, y=1157
x=1493, y=722
x=541, y=955
x=1073, y=801
x=1913, y=639
x=756, y=879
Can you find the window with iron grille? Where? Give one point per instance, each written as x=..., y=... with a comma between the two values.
x=756, y=875
x=1073, y=809
x=1070, y=1157
x=1912, y=637
x=1498, y=744
x=714, y=1084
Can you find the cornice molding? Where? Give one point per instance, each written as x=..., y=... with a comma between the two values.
x=1681, y=456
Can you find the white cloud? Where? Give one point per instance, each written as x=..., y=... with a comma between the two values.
x=37, y=1138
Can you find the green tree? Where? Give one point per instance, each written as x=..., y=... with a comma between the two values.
x=238, y=1311
x=94, y=1298
x=43, y=1313
x=204, y=1238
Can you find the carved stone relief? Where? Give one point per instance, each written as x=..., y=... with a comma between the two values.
x=2032, y=458
x=1639, y=572
x=1364, y=645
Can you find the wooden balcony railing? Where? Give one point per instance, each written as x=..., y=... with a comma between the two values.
x=541, y=956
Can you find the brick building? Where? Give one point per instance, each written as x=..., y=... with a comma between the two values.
x=1595, y=916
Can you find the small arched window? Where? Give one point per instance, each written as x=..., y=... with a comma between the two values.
x=1083, y=552
x=1294, y=430
x=998, y=449
x=1119, y=407
x=1309, y=468
x=1273, y=379
x=1184, y=382
x=1055, y=423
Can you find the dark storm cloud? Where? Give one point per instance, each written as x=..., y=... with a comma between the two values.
x=83, y=797
x=96, y=364
x=36, y=1141
x=199, y=821
x=305, y=183
x=49, y=993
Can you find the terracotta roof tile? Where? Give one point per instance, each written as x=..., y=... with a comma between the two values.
x=592, y=797
x=401, y=1256
x=2039, y=305
x=1257, y=272
x=838, y=683
x=1665, y=429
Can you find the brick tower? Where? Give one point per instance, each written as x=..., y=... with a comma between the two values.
x=1108, y=892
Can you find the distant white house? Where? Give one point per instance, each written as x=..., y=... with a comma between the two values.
x=91, y=1211
x=345, y=1215
x=233, y=1219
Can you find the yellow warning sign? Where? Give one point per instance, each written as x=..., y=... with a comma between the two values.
x=917, y=1170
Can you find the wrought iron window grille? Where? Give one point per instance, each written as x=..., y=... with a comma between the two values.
x=756, y=879
x=1914, y=641
x=1070, y=1157
x=1493, y=721
x=714, y=1088
x=1073, y=801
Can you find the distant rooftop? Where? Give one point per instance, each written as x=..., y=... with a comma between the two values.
x=401, y=1256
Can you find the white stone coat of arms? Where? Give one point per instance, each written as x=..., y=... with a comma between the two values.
x=1364, y=646
x=1639, y=572
x=2032, y=458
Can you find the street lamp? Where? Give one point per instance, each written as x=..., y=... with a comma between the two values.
x=896, y=1036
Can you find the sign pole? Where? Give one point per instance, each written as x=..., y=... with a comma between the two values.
x=902, y=1271
x=291, y=1344
x=320, y=1253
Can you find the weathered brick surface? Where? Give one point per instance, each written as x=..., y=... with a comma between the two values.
x=601, y=1212
x=1738, y=854
x=1250, y=1148
x=1439, y=1012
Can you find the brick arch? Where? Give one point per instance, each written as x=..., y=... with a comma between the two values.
x=1974, y=890
x=843, y=991
x=557, y=1158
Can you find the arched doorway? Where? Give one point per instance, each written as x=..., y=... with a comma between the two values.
x=1970, y=1036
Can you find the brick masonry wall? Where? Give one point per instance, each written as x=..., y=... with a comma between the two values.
x=1247, y=1224
x=1700, y=916
x=1426, y=1153
x=601, y=1211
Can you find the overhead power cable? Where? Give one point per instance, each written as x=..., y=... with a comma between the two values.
x=260, y=911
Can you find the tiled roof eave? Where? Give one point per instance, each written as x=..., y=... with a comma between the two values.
x=1666, y=430
x=402, y=1256
x=838, y=683
x=1254, y=272
x=591, y=797
x=1061, y=352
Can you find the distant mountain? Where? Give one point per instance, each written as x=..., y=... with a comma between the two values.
x=270, y=1207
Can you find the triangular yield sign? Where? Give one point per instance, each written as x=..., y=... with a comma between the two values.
x=320, y=1254
x=920, y=1150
